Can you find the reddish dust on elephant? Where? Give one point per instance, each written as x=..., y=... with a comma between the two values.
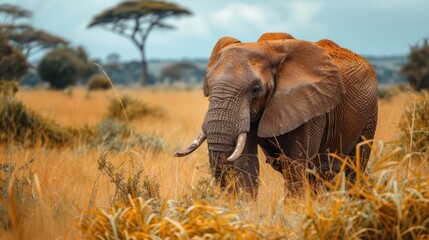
x=297, y=100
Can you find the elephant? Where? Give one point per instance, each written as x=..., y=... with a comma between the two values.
x=297, y=100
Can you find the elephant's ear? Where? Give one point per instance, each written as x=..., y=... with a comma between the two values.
x=308, y=83
x=274, y=36
x=221, y=43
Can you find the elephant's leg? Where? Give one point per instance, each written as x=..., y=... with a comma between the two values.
x=368, y=133
x=302, y=146
x=365, y=149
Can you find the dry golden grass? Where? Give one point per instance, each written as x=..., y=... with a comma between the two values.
x=67, y=182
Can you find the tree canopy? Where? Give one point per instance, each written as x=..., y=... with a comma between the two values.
x=416, y=70
x=13, y=64
x=13, y=12
x=24, y=36
x=29, y=40
x=135, y=20
x=63, y=67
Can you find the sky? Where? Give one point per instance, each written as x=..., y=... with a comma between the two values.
x=367, y=27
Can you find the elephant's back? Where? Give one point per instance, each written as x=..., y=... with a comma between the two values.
x=359, y=77
x=341, y=55
x=347, y=60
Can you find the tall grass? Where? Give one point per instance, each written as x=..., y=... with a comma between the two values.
x=19, y=124
x=78, y=191
x=132, y=107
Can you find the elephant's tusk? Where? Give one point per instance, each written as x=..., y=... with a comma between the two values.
x=194, y=145
x=241, y=142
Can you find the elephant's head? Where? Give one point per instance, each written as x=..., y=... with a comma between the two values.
x=263, y=89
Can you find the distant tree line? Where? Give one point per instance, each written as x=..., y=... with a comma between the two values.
x=160, y=72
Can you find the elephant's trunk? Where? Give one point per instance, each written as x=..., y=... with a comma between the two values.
x=223, y=125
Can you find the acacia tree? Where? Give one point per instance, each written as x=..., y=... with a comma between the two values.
x=13, y=64
x=416, y=70
x=136, y=19
x=13, y=12
x=29, y=40
x=24, y=36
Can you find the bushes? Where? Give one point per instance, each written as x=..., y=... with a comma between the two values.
x=60, y=68
x=116, y=136
x=416, y=70
x=63, y=67
x=19, y=124
x=99, y=82
x=413, y=130
x=130, y=108
x=371, y=211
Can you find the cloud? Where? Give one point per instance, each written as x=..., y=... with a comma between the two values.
x=239, y=13
x=256, y=18
x=196, y=25
x=303, y=14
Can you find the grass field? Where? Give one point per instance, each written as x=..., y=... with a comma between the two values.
x=59, y=185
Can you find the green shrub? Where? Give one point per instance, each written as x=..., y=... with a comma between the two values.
x=60, y=68
x=63, y=67
x=99, y=82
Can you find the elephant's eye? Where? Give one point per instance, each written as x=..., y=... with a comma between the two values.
x=256, y=90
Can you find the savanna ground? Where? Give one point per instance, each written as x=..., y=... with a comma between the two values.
x=67, y=186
